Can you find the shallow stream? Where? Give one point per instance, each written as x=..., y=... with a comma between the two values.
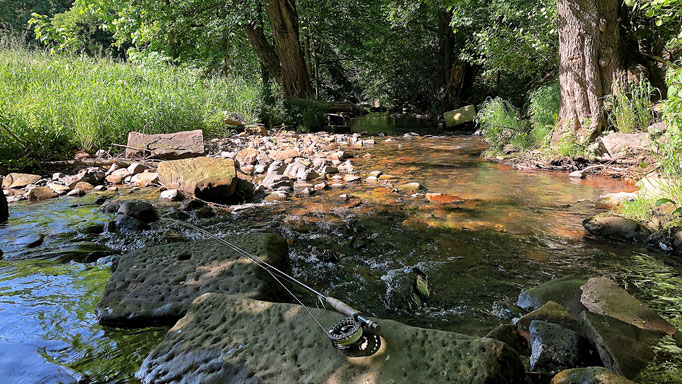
x=512, y=230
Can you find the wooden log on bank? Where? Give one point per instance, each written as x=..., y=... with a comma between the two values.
x=328, y=106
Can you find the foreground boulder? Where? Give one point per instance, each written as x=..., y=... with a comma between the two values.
x=616, y=228
x=551, y=313
x=589, y=375
x=603, y=296
x=169, y=146
x=231, y=339
x=555, y=348
x=623, y=348
x=204, y=177
x=564, y=291
x=156, y=285
x=460, y=116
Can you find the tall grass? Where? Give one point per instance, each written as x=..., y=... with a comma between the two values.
x=631, y=109
x=543, y=109
x=53, y=103
x=502, y=124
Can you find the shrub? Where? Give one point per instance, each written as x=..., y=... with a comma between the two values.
x=502, y=125
x=631, y=110
x=543, y=109
x=55, y=103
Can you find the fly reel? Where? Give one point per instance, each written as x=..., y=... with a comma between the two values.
x=354, y=338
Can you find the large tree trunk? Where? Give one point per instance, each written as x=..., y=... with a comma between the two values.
x=589, y=64
x=264, y=50
x=455, y=76
x=284, y=21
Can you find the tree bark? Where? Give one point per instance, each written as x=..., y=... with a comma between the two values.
x=455, y=76
x=589, y=64
x=284, y=21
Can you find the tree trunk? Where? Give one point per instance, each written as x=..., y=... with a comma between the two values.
x=455, y=76
x=589, y=64
x=284, y=21
x=264, y=50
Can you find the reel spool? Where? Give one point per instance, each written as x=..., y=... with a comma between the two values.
x=354, y=338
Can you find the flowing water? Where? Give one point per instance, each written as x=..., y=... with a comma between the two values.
x=511, y=230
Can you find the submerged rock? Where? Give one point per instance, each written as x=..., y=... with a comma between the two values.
x=589, y=375
x=231, y=339
x=205, y=178
x=616, y=228
x=564, y=291
x=603, y=296
x=157, y=284
x=623, y=348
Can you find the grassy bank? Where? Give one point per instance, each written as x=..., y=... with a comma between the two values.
x=52, y=104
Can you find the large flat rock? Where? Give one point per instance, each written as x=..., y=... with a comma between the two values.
x=623, y=348
x=589, y=375
x=156, y=285
x=231, y=339
x=167, y=146
x=603, y=296
x=203, y=177
x=19, y=180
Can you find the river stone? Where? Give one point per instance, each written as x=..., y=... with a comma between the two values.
x=231, y=339
x=19, y=180
x=589, y=375
x=555, y=348
x=157, y=284
x=204, y=177
x=619, y=144
x=508, y=334
x=410, y=187
x=140, y=210
x=129, y=224
x=460, y=116
x=603, y=296
x=552, y=313
x=616, y=228
x=564, y=291
x=42, y=193
x=168, y=146
x=623, y=348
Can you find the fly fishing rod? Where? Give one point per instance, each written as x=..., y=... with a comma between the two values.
x=353, y=335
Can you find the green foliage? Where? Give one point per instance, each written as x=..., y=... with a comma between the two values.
x=543, y=110
x=637, y=209
x=630, y=111
x=15, y=14
x=55, y=103
x=313, y=118
x=502, y=125
x=571, y=146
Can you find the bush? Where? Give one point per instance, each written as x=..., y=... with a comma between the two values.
x=502, y=125
x=56, y=103
x=631, y=111
x=543, y=110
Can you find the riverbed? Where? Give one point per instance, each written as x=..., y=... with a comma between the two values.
x=509, y=230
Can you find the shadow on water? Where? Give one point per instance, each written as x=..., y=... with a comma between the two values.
x=510, y=231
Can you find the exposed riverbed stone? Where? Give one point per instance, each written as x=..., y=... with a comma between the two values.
x=231, y=339
x=19, y=180
x=140, y=210
x=169, y=146
x=508, y=334
x=589, y=375
x=205, y=178
x=41, y=193
x=555, y=348
x=616, y=228
x=157, y=284
x=603, y=296
x=564, y=291
x=623, y=348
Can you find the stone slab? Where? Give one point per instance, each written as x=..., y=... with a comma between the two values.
x=203, y=177
x=167, y=146
x=19, y=180
x=603, y=296
x=156, y=285
x=564, y=291
x=231, y=339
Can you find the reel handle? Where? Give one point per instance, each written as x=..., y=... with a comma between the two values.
x=347, y=310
